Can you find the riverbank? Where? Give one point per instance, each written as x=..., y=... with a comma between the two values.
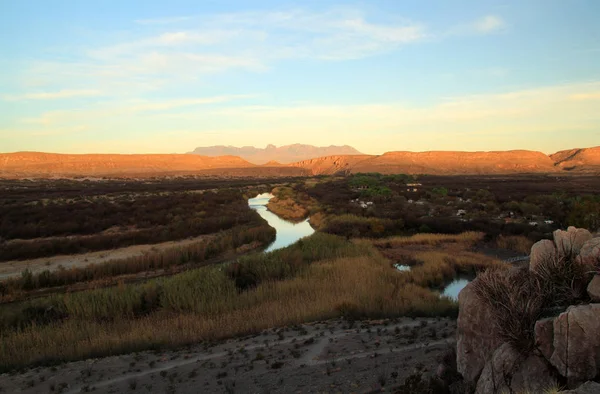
x=290, y=204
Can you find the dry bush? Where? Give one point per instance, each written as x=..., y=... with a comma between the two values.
x=516, y=298
x=564, y=280
x=517, y=243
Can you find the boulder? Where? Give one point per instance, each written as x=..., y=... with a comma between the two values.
x=593, y=289
x=576, y=353
x=544, y=337
x=590, y=253
x=476, y=337
x=586, y=388
x=571, y=241
x=542, y=251
x=511, y=372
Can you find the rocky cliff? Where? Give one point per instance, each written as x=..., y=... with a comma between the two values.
x=578, y=159
x=34, y=164
x=441, y=163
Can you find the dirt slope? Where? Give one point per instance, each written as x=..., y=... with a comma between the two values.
x=440, y=163
x=35, y=164
x=578, y=159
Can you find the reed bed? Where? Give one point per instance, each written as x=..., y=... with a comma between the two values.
x=335, y=278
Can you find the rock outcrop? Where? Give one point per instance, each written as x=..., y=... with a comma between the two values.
x=586, y=388
x=477, y=338
x=571, y=242
x=567, y=346
x=593, y=289
x=542, y=251
x=590, y=253
x=576, y=353
x=510, y=371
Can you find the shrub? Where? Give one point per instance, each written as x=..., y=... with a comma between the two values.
x=516, y=298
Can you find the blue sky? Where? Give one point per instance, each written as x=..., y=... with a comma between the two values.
x=167, y=76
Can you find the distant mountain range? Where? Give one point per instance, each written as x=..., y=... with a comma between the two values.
x=283, y=155
x=49, y=165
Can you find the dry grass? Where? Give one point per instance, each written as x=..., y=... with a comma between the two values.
x=359, y=286
x=517, y=298
x=318, y=278
x=440, y=267
x=516, y=243
x=432, y=239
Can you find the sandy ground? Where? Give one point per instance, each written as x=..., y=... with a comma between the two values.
x=14, y=268
x=323, y=357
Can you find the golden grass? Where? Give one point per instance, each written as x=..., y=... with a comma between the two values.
x=360, y=286
x=431, y=239
x=350, y=279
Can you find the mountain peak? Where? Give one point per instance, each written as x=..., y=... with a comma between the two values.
x=284, y=154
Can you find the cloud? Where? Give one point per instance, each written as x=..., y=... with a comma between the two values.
x=54, y=120
x=61, y=94
x=489, y=24
x=170, y=104
x=586, y=96
x=539, y=118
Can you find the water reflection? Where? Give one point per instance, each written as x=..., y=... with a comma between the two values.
x=287, y=232
x=452, y=290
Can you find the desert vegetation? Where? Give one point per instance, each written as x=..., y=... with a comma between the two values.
x=168, y=261
x=320, y=277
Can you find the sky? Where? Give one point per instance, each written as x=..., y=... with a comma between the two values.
x=155, y=76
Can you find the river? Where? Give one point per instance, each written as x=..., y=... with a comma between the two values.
x=287, y=232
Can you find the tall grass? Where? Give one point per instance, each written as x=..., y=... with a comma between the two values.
x=336, y=278
x=432, y=239
x=516, y=243
x=195, y=253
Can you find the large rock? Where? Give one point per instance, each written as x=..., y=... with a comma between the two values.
x=477, y=337
x=577, y=343
x=570, y=242
x=590, y=253
x=586, y=388
x=544, y=337
x=511, y=372
x=593, y=289
x=542, y=251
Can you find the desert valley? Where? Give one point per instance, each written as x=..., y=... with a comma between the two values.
x=300, y=197
x=125, y=273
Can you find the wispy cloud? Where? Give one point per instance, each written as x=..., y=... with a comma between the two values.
x=489, y=24
x=61, y=94
x=586, y=96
